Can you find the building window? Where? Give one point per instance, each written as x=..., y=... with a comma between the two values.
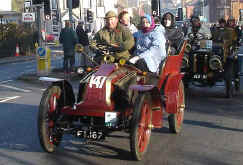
x=54, y=4
x=100, y=3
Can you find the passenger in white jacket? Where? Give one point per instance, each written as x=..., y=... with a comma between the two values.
x=150, y=45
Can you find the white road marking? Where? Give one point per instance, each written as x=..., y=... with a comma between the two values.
x=2, y=82
x=8, y=98
x=15, y=88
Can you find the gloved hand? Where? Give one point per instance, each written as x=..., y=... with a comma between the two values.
x=134, y=59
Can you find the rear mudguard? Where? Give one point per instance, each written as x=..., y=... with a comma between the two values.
x=67, y=94
x=171, y=92
x=156, y=103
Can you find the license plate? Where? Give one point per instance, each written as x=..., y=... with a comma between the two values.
x=200, y=76
x=110, y=119
x=89, y=134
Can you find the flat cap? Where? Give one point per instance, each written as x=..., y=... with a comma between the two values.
x=110, y=14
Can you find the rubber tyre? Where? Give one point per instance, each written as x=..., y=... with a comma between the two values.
x=229, y=87
x=49, y=139
x=237, y=86
x=176, y=120
x=141, y=126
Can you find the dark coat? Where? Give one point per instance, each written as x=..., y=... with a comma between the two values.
x=82, y=36
x=120, y=35
x=173, y=33
x=68, y=39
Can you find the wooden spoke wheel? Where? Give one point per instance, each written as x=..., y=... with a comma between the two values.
x=141, y=126
x=49, y=135
x=176, y=120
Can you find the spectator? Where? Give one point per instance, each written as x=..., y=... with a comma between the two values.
x=219, y=35
x=84, y=40
x=68, y=39
x=150, y=46
x=235, y=31
x=82, y=35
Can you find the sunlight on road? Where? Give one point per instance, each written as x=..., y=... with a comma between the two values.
x=8, y=99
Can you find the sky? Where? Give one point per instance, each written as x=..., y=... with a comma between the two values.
x=5, y=5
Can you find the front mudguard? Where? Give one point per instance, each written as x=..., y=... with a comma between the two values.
x=171, y=92
x=67, y=94
x=156, y=103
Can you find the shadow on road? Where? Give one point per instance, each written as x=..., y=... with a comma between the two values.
x=212, y=101
x=18, y=125
x=108, y=149
x=210, y=125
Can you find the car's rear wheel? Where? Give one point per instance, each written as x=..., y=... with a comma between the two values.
x=176, y=120
x=141, y=126
x=49, y=134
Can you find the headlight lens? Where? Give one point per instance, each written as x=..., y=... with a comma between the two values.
x=188, y=48
x=80, y=70
x=215, y=62
x=185, y=61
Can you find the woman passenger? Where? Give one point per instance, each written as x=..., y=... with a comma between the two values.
x=150, y=46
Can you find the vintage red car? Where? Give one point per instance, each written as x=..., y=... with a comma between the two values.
x=112, y=97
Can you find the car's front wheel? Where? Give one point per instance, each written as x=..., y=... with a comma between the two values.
x=141, y=126
x=49, y=134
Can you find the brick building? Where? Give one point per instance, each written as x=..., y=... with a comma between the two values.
x=217, y=8
x=224, y=9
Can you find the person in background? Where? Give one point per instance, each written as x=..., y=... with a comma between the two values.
x=115, y=35
x=219, y=34
x=84, y=40
x=68, y=39
x=173, y=34
x=158, y=23
x=213, y=28
x=198, y=27
x=150, y=46
x=125, y=19
x=232, y=43
x=235, y=30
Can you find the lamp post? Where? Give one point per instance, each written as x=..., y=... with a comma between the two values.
x=1, y=17
x=203, y=8
x=70, y=10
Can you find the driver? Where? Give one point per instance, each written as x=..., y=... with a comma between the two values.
x=198, y=27
x=115, y=35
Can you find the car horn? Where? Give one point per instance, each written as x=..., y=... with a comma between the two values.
x=109, y=59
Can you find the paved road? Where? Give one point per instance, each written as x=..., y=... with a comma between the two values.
x=212, y=132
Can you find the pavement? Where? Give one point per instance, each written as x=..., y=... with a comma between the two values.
x=13, y=59
x=34, y=77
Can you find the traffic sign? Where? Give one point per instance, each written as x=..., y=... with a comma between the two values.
x=28, y=17
x=41, y=52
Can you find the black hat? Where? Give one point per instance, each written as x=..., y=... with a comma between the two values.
x=194, y=18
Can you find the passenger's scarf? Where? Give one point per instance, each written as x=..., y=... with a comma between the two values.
x=152, y=24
